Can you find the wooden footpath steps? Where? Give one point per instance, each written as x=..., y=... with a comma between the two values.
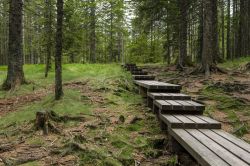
x=139, y=73
x=143, y=77
x=156, y=86
x=178, y=107
x=189, y=121
x=213, y=147
x=165, y=96
x=188, y=130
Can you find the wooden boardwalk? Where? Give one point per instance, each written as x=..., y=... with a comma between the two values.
x=187, y=128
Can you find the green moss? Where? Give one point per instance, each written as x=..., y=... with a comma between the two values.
x=235, y=63
x=119, y=144
x=36, y=141
x=34, y=163
x=225, y=101
x=111, y=162
x=70, y=104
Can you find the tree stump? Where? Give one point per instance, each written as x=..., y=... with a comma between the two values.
x=42, y=119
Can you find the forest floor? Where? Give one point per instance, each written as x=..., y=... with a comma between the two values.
x=107, y=122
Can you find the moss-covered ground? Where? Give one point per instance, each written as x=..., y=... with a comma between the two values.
x=117, y=128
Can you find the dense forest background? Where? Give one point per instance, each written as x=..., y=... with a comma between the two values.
x=145, y=31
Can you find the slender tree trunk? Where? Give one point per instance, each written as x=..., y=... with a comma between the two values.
x=228, y=30
x=200, y=33
x=112, y=57
x=216, y=55
x=222, y=29
x=209, y=36
x=248, y=28
x=15, y=75
x=93, y=32
x=48, y=29
x=58, y=57
x=183, y=27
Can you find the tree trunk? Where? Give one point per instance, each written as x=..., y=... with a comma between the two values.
x=209, y=36
x=228, y=30
x=183, y=27
x=216, y=55
x=222, y=30
x=200, y=33
x=15, y=75
x=48, y=29
x=58, y=57
x=111, y=52
x=93, y=32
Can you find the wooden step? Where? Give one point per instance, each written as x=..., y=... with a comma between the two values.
x=135, y=70
x=139, y=73
x=156, y=86
x=143, y=77
x=212, y=147
x=165, y=96
x=178, y=107
x=189, y=121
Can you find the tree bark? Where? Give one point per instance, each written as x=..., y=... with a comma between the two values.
x=58, y=57
x=15, y=75
x=209, y=36
x=93, y=32
x=228, y=30
x=183, y=27
x=48, y=28
x=222, y=29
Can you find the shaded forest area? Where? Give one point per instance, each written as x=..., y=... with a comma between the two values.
x=60, y=64
x=136, y=31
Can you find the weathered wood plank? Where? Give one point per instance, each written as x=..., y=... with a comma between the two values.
x=143, y=77
x=173, y=107
x=200, y=152
x=187, y=122
x=186, y=105
x=234, y=140
x=139, y=73
x=156, y=85
x=236, y=150
x=216, y=148
x=198, y=106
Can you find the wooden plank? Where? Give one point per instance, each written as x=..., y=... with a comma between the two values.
x=184, y=119
x=207, y=119
x=187, y=122
x=143, y=77
x=216, y=148
x=198, y=106
x=162, y=104
x=201, y=153
x=234, y=140
x=175, y=105
x=196, y=119
x=171, y=121
x=186, y=105
x=239, y=152
x=158, y=85
x=169, y=96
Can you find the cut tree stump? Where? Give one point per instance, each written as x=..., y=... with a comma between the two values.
x=42, y=120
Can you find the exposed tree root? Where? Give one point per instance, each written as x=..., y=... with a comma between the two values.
x=55, y=117
x=213, y=68
x=44, y=121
